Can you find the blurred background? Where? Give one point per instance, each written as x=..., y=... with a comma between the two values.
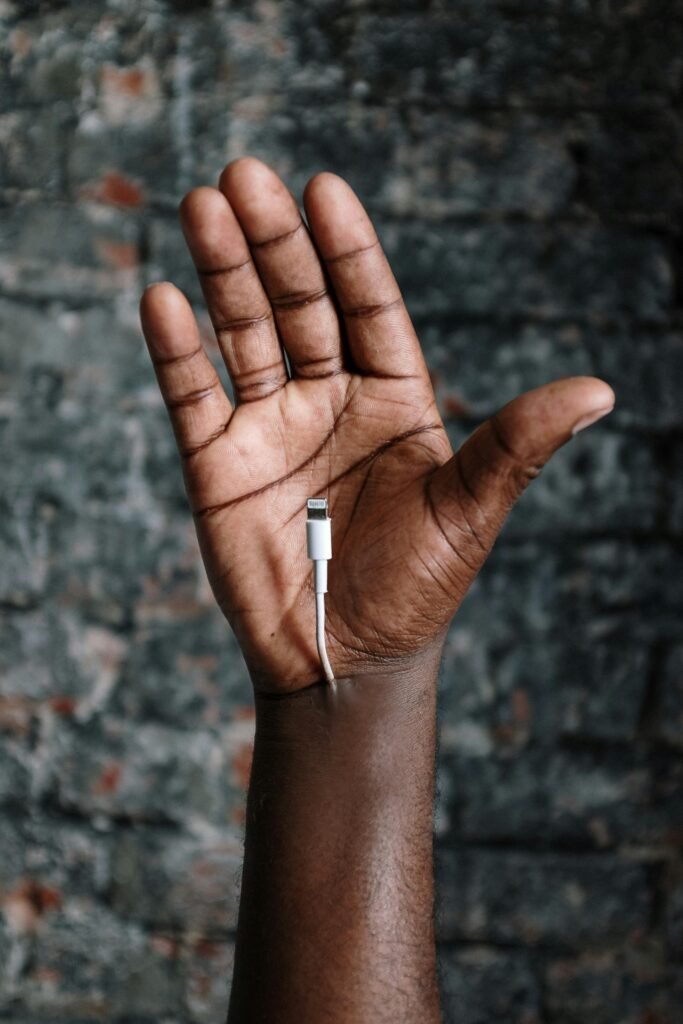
x=522, y=159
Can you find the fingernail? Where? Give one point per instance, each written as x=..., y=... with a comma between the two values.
x=590, y=418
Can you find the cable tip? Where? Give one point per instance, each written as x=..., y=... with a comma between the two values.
x=317, y=508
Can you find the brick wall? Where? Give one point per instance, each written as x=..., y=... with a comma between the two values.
x=523, y=161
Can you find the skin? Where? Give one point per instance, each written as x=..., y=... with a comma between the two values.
x=336, y=913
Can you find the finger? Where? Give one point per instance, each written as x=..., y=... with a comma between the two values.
x=288, y=265
x=380, y=334
x=471, y=494
x=197, y=404
x=238, y=306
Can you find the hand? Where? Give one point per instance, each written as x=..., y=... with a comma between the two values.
x=357, y=422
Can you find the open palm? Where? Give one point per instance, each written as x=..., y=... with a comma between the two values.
x=348, y=413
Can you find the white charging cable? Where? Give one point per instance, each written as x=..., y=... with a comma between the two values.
x=319, y=544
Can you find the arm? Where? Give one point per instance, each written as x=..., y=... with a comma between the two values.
x=336, y=911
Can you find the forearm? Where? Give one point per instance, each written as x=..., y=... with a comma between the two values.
x=336, y=916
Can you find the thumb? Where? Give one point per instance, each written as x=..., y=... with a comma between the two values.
x=484, y=479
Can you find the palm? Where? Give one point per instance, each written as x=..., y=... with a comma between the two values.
x=343, y=438
x=357, y=423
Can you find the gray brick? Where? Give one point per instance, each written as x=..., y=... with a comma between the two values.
x=90, y=965
x=540, y=899
x=169, y=258
x=630, y=164
x=674, y=916
x=476, y=367
x=208, y=967
x=149, y=772
x=408, y=161
x=11, y=854
x=47, y=861
x=644, y=371
x=159, y=466
x=607, y=987
x=125, y=165
x=51, y=446
x=5, y=953
x=504, y=60
x=513, y=693
x=549, y=799
x=69, y=361
x=178, y=883
x=40, y=64
x=675, y=481
x=530, y=270
x=498, y=269
x=23, y=552
x=432, y=163
x=587, y=588
x=676, y=986
x=143, y=563
x=669, y=710
x=59, y=250
x=613, y=588
x=480, y=985
x=31, y=151
x=622, y=9
x=126, y=62
x=599, y=481
x=257, y=53
x=189, y=677
x=108, y=57
x=52, y=659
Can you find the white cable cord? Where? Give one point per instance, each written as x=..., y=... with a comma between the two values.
x=319, y=545
x=320, y=638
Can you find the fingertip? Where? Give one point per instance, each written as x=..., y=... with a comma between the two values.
x=158, y=288
x=602, y=395
x=244, y=167
x=599, y=402
x=168, y=322
x=210, y=227
x=337, y=217
x=326, y=194
x=325, y=182
x=162, y=295
x=538, y=422
x=199, y=205
x=580, y=393
x=587, y=399
x=259, y=199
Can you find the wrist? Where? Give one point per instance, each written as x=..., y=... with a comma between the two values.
x=362, y=710
x=362, y=751
x=381, y=673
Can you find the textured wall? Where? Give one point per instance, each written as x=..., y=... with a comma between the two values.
x=523, y=161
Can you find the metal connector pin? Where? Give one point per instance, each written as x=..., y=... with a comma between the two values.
x=317, y=508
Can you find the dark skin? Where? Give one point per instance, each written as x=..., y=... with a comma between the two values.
x=336, y=912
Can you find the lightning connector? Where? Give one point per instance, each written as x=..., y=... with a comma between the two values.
x=319, y=545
